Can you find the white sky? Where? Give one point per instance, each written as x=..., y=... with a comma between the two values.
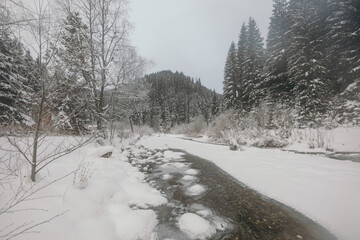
x=193, y=36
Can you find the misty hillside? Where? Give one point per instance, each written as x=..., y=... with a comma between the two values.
x=175, y=98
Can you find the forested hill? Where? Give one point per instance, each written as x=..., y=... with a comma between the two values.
x=175, y=98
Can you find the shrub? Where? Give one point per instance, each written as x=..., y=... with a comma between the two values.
x=193, y=129
x=82, y=175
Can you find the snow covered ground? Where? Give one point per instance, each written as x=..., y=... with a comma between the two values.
x=106, y=198
x=324, y=189
x=340, y=140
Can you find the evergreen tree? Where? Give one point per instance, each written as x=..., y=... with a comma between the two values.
x=241, y=50
x=343, y=41
x=230, y=78
x=215, y=105
x=307, y=63
x=253, y=66
x=13, y=103
x=72, y=65
x=276, y=82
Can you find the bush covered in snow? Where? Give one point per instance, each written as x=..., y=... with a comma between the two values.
x=237, y=129
x=82, y=175
x=123, y=130
x=193, y=129
x=263, y=129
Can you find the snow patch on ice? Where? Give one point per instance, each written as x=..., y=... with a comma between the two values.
x=166, y=177
x=189, y=178
x=192, y=172
x=195, y=190
x=195, y=226
x=204, y=212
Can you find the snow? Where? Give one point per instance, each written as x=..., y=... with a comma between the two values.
x=189, y=178
x=195, y=226
x=204, y=212
x=173, y=155
x=192, y=172
x=195, y=190
x=324, y=189
x=99, y=151
x=112, y=202
x=323, y=140
x=346, y=139
x=166, y=177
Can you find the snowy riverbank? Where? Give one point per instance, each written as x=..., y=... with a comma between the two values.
x=106, y=198
x=324, y=189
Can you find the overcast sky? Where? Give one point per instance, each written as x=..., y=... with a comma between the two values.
x=193, y=36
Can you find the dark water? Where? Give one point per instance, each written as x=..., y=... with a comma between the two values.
x=235, y=211
x=345, y=157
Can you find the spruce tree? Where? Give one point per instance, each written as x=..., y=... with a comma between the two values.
x=230, y=78
x=241, y=50
x=307, y=63
x=276, y=82
x=253, y=66
x=70, y=70
x=343, y=50
x=215, y=105
x=343, y=41
x=13, y=103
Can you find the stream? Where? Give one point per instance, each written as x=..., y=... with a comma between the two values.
x=234, y=211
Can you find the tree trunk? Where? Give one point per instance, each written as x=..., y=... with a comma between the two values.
x=36, y=136
x=131, y=125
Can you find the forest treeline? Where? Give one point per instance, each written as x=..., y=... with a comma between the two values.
x=311, y=63
x=174, y=98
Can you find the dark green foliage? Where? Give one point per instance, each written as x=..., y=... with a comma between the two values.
x=308, y=69
x=15, y=69
x=312, y=62
x=276, y=83
x=253, y=66
x=175, y=98
x=71, y=106
x=343, y=40
x=241, y=57
x=231, y=78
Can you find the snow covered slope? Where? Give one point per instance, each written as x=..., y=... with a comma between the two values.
x=106, y=198
x=324, y=189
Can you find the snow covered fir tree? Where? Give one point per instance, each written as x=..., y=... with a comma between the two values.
x=310, y=63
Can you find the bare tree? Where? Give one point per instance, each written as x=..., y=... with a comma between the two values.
x=109, y=60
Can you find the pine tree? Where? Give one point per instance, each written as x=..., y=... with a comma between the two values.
x=73, y=113
x=215, y=105
x=241, y=50
x=343, y=40
x=276, y=82
x=230, y=78
x=307, y=63
x=253, y=66
x=12, y=80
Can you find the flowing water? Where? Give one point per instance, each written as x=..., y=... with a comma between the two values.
x=194, y=185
